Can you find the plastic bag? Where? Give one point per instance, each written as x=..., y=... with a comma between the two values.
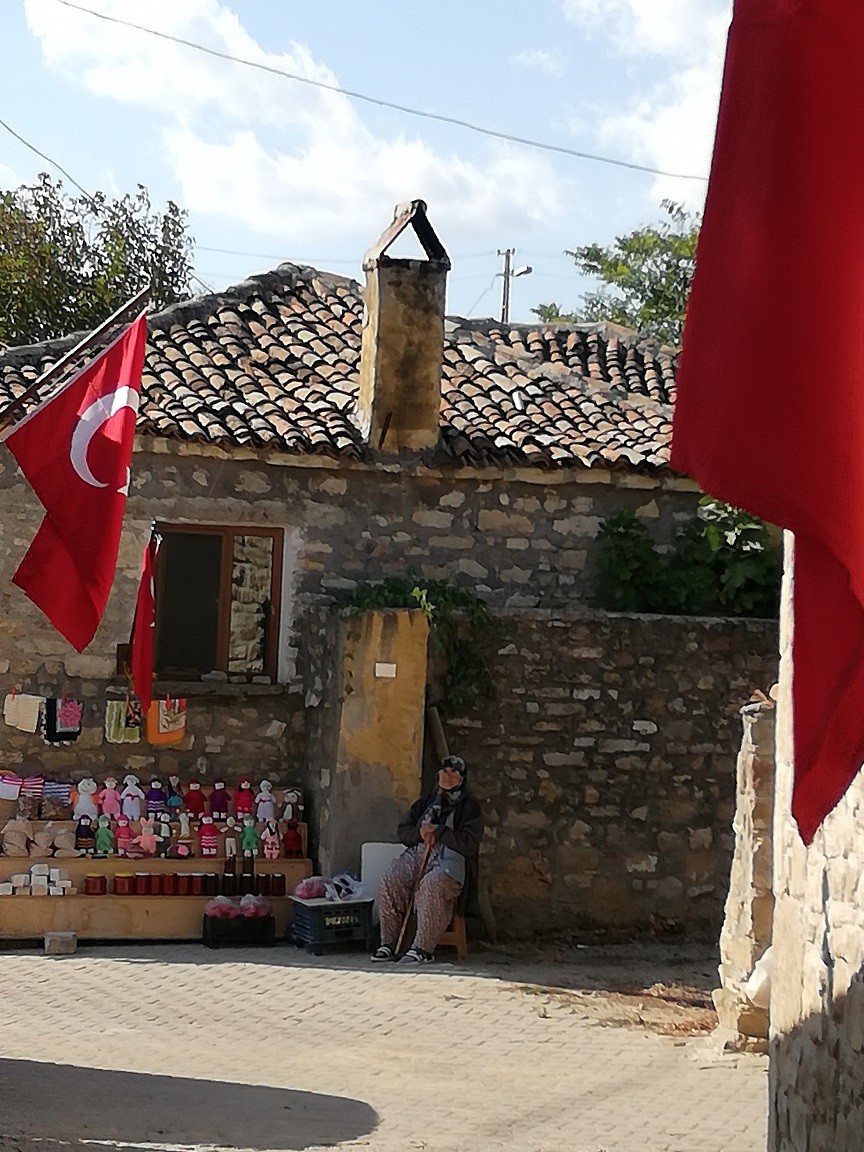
x=312, y=888
x=343, y=887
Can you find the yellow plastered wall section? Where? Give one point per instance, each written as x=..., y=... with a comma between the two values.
x=376, y=777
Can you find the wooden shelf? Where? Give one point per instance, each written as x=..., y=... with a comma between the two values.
x=80, y=866
x=114, y=917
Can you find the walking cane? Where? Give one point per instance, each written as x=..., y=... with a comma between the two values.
x=410, y=907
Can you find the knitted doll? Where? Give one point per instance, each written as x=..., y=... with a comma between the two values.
x=155, y=797
x=174, y=793
x=185, y=831
x=131, y=798
x=85, y=805
x=208, y=836
x=85, y=841
x=109, y=798
x=293, y=805
x=249, y=838
x=244, y=799
x=270, y=840
x=194, y=799
x=265, y=802
x=104, y=840
x=147, y=838
x=292, y=841
x=219, y=799
x=229, y=847
x=124, y=836
x=163, y=827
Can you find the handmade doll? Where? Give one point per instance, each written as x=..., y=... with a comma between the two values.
x=219, y=799
x=155, y=798
x=185, y=831
x=174, y=793
x=104, y=840
x=230, y=844
x=194, y=799
x=109, y=798
x=124, y=836
x=249, y=838
x=208, y=836
x=147, y=839
x=292, y=841
x=265, y=801
x=163, y=827
x=84, y=839
x=270, y=840
x=244, y=799
x=131, y=798
x=293, y=805
x=85, y=805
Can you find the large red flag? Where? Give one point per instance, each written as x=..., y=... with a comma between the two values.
x=770, y=410
x=143, y=628
x=75, y=449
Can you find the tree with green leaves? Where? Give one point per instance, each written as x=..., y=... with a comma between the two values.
x=645, y=278
x=67, y=262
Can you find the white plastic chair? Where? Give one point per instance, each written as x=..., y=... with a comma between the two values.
x=374, y=858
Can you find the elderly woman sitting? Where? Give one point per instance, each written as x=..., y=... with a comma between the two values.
x=442, y=835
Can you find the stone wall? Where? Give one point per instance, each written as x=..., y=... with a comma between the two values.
x=816, y=1086
x=523, y=538
x=606, y=767
x=747, y=920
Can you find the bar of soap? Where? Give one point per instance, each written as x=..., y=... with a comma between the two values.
x=23, y=891
x=55, y=890
x=6, y=889
x=54, y=875
x=39, y=892
x=21, y=880
x=39, y=870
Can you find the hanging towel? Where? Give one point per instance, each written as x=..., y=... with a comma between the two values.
x=28, y=712
x=62, y=721
x=10, y=710
x=116, y=731
x=166, y=721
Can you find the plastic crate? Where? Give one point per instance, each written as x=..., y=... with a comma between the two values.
x=255, y=931
x=318, y=924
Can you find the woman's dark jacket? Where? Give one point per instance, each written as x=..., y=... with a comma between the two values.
x=464, y=837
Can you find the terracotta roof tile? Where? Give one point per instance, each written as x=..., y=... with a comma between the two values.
x=274, y=363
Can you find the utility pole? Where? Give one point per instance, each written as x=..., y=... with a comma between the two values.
x=506, y=276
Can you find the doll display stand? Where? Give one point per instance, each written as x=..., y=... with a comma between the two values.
x=121, y=917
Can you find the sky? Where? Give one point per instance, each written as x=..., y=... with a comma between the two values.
x=273, y=169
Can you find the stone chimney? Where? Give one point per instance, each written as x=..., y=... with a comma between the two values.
x=403, y=338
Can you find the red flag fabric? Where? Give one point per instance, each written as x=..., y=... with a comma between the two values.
x=143, y=628
x=770, y=408
x=75, y=449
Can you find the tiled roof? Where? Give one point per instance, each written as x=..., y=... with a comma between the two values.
x=273, y=363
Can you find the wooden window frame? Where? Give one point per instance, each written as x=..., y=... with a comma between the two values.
x=223, y=634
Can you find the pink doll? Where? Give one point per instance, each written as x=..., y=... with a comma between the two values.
x=270, y=840
x=124, y=836
x=147, y=838
x=131, y=798
x=109, y=798
x=244, y=799
x=265, y=801
x=208, y=836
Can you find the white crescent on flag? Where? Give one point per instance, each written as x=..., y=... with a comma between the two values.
x=94, y=417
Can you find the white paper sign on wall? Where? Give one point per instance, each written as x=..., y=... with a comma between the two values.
x=385, y=671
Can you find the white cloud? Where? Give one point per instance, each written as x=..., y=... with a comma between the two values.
x=282, y=157
x=538, y=59
x=670, y=124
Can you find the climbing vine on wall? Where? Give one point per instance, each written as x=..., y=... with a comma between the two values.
x=723, y=563
x=459, y=627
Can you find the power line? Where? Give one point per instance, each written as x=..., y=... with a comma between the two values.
x=48, y=159
x=452, y=120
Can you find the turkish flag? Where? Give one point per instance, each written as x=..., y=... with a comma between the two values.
x=770, y=409
x=143, y=628
x=75, y=449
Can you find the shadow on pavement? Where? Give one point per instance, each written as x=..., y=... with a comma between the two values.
x=62, y=1108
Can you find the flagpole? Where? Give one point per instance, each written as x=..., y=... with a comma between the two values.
x=81, y=346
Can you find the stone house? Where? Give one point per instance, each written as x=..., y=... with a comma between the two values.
x=299, y=435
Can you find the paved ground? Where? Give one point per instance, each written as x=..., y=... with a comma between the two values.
x=177, y=1048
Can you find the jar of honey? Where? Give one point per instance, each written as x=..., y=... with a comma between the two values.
x=169, y=884
x=142, y=883
x=184, y=883
x=124, y=883
x=95, y=885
